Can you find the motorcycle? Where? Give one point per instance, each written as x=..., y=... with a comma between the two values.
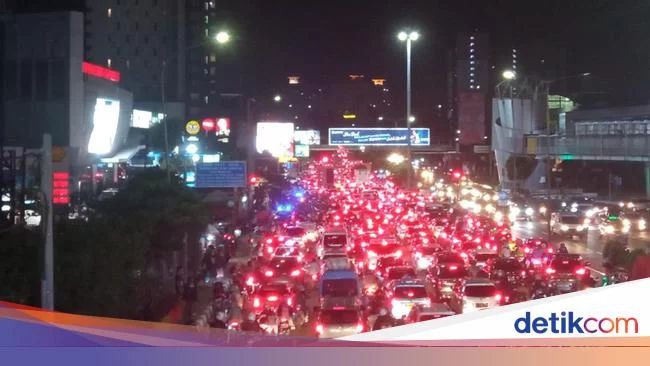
x=285, y=328
x=269, y=323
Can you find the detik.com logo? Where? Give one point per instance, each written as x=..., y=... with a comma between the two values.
x=566, y=322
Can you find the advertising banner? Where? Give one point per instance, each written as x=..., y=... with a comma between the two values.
x=379, y=136
x=471, y=118
x=302, y=151
x=276, y=138
x=307, y=137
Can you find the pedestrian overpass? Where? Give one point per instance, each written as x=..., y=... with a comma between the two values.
x=605, y=141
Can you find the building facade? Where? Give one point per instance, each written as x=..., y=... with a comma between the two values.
x=139, y=38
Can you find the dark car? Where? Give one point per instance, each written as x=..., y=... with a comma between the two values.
x=567, y=272
x=507, y=272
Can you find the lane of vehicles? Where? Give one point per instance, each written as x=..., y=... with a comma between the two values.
x=361, y=247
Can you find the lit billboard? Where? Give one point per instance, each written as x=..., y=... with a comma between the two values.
x=302, y=151
x=379, y=136
x=105, y=121
x=307, y=137
x=276, y=138
x=141, y=119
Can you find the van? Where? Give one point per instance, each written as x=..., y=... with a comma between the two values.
x=334, y=239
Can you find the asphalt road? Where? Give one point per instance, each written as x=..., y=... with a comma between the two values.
x=590, y=248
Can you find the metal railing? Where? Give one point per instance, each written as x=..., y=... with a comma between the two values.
x=607, y=147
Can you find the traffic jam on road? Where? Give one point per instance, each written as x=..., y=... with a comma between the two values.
x=350, y=251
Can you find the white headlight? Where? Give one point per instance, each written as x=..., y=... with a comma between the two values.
x=529, y=211
x=564, y=228
x=609, y=229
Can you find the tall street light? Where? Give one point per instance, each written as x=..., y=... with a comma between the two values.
x=408, y=37
x=221, y=37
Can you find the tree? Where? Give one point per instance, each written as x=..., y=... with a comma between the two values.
x=20, y=267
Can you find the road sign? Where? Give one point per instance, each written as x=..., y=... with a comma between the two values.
x=482, y=149
x=193, y=127
x=225, y=174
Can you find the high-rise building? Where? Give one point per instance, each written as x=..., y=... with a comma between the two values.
x=138, y=38
x=471, y=86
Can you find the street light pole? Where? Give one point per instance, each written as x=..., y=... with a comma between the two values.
x=408, y=38
x=164, y=108
x=409, y=166
x=222, y=37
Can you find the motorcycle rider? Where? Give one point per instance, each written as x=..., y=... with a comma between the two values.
x=219, y=321
x=384, y=320
x=505, y=251
x=251, y=324
x=285, y=314
x=563, y=249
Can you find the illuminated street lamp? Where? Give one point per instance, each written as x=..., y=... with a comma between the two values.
x=396, y=158
x=277, y=98
x=222, y=37
x=408, y=37
x=509, y=75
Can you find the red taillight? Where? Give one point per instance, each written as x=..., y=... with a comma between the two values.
x=256, y=302
x=498, y=297
x=268, y=273
x=410, y=294
x=319, y=328
x=453, y=268
x=550, y=250
x=550, y=270
x=526, y=250
x=269, y=241
x=272, y=298
x=359, y=328
x=295, y=273
x=314, y=277
x=398, y=254
x=523, y=273
x=269, y=250
x=581, y=271
x=289, y=301
x=250, y=281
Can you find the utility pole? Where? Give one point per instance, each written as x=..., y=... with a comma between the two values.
x=47, y=291
x=409, y=165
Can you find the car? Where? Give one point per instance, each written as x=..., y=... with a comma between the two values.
x=271, y=296
x=444, y=276
x=483, y=258
x=423, y=313
x=286, y=269
x=402, y=296
x=507, y=272
x=339, y=322
x=475, y=294
x=296, y=234
x=634, y=221
x=567, y=272
x=424, y=256
x=569, y=224
x=382, y=248
x=397, y=273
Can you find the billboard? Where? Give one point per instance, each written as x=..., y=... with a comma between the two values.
x=471, y=118
x=302, y=151
x=307, y=137
x=276, y=138
x=225, y=174
x=105, y=121
x=379, y=136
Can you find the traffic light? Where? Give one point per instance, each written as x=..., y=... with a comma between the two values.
x=604, y=280
x=253, y=180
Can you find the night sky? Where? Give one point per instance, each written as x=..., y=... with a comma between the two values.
x=609, y=39
x=321, y=38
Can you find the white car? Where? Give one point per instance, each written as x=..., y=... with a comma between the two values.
x=475, y=294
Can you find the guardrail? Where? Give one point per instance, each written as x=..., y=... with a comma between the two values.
x=608, y=147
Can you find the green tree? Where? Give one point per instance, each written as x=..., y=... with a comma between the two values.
x=20, y=267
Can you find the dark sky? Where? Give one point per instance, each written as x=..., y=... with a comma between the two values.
x=332, y=38
x=610, y=39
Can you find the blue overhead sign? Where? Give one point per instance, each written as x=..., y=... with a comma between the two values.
x=225, y=174
x=379, y=136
